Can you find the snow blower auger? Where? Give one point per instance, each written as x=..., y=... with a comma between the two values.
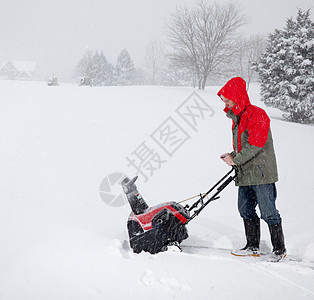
x=153, y=229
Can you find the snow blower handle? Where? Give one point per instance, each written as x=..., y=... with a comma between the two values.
x=229, y=179
x=221, y=184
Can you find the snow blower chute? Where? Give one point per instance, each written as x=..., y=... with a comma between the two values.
x=152, y=229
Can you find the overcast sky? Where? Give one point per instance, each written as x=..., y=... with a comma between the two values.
x=57, y=33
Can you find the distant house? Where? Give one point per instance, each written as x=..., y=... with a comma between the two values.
x=19, y=70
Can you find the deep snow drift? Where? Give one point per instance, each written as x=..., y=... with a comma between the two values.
x=59, y=240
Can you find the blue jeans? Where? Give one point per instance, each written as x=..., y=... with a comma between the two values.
x=264, y=196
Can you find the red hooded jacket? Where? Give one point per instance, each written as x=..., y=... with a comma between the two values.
x=252, y=118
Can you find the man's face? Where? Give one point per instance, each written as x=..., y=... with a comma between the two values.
x=228, y=102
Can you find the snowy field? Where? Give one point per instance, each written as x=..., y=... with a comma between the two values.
x=59, y=240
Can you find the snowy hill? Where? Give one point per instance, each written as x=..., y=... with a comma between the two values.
x=59, y=240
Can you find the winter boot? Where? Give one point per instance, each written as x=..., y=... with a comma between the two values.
x=277, y=239
x=253, y=235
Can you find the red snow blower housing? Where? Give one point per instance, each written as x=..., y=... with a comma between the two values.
x=152, y=229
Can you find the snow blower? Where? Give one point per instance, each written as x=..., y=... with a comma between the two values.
x=153, y=229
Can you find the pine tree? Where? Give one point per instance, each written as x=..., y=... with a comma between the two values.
x=124, y=71
x=286, y=69
x=96, y=68
x=104, y=74
x=85, y=65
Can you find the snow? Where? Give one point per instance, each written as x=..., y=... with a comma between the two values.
x=306, y=62
x=59, y=240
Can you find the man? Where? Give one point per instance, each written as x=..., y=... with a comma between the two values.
x=255, y=158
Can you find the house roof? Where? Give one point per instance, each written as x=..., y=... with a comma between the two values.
x=21, y=69
x=24, y=66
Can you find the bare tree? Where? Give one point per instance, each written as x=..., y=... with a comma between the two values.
x=257, y=46
x=248, y=51
x=155, y=58
x=203, y=37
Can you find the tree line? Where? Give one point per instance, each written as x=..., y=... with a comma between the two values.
x=204, y=45
x=156, y=71
x=94, y=65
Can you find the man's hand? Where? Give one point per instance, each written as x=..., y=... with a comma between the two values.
x=228, y=159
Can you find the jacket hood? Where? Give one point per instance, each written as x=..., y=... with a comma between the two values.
x=235, y=90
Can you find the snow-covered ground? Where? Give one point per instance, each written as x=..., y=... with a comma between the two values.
x=59, y=240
